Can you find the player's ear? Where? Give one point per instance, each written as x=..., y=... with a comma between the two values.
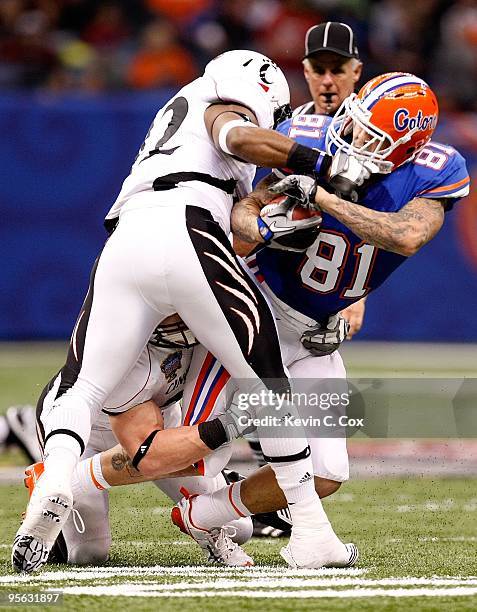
x=357, y=70
x=306, y=70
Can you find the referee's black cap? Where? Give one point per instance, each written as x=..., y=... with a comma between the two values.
x=331, y=36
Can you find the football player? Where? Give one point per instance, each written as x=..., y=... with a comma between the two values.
x=415, y=181
x=155, y=383
x=170, y=253
x=332, y=69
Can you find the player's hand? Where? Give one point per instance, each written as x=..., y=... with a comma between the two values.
x=285, y=224
x=354, y=314
x=324, y=340
x=237, y=420
x=297, y=186
x=348, y=173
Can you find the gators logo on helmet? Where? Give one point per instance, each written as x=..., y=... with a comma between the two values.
x=395, y=115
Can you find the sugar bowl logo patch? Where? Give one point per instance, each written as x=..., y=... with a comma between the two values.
x=171, y=364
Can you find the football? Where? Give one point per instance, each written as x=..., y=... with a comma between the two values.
x=297, y=212
x=290, y=208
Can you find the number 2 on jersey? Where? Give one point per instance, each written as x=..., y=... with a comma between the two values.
x=326, y=260
x=173, y=121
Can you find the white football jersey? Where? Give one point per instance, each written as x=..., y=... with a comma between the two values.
x=178, y=161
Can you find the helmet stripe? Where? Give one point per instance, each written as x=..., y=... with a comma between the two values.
x=387, y=86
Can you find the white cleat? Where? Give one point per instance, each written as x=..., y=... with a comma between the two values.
x=216, y=543
x=315, y=551
x=45, y=517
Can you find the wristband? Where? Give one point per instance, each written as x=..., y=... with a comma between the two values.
x=265, y=232
x=304, y=160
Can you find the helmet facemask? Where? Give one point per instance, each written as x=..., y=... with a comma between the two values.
x=280, y=114
x=352, y=118
x=173, y=336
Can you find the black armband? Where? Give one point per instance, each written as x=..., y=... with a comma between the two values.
x=143, y=448
x=304, y=160
x=212, y=433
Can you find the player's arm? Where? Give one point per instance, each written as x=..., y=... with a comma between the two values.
x=244, y=217
x=403, y=232
x=354, y=314
x=233, y=128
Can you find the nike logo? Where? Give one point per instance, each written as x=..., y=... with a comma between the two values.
x=276, y=228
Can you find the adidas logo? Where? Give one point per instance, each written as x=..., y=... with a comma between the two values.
x=143, y=449
x=305, y=478
x=285, y=515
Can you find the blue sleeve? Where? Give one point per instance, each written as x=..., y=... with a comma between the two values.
x=441, y=172
x=307, y=130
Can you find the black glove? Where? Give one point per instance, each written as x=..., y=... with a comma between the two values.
x=324, y=340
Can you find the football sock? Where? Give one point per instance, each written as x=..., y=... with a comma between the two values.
x=88, y=477
x=290, y=459
x=68, y=426
x=219, y=508
x=175, y=488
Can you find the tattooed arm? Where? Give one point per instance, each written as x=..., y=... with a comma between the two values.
x=403, y=232
x=244, y=216
x=118, y=470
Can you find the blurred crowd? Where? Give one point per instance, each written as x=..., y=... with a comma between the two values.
x=110, y=45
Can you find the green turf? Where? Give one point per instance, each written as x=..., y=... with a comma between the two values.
x=415, y=527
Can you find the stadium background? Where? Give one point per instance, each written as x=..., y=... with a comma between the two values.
x=80, y=82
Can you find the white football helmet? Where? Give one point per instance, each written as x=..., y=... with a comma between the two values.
x=254, y=80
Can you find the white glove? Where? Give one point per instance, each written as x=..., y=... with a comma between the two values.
x=299, y=187
x=285, y=217
x=348, y=173
x=325, y=340
x=351, y=168
x=238, y=420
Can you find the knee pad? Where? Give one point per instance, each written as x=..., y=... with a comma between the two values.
x=330, y=458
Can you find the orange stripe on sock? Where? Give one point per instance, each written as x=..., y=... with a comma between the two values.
x=232, y=502
x=95, y=482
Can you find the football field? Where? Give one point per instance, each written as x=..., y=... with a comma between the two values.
x=417, y=537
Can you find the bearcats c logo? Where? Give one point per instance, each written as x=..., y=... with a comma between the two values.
x=263, y=72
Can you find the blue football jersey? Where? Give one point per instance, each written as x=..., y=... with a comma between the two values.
x=340, y=268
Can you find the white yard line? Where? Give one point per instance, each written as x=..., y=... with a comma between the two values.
x=130, y=591
x=265, y=582
x=298, y=583
x=96, y=573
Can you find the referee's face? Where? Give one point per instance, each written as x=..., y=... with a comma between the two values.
x=331, y=78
